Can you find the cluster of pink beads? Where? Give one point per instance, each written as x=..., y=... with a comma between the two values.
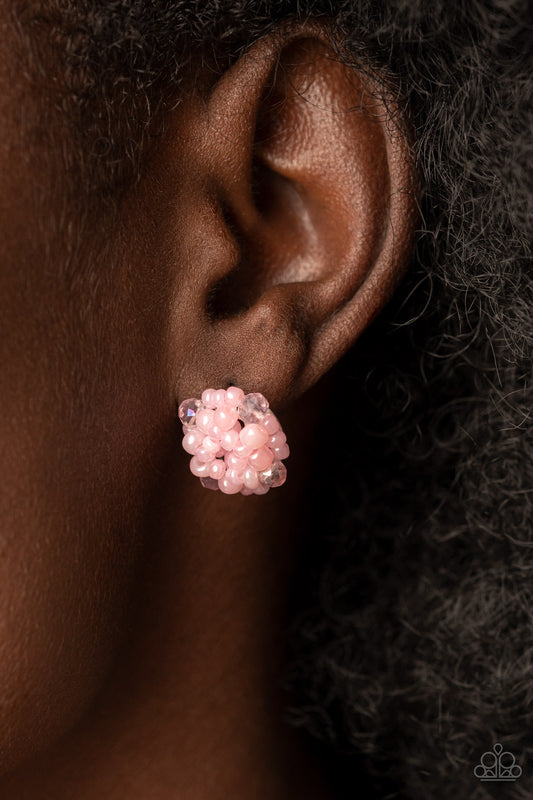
x=236, y=442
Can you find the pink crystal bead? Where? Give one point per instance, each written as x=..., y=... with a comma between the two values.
x=235, y=441
x=253, y=407
x=187, y=411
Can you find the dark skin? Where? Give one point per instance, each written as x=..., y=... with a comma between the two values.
x=143, y=617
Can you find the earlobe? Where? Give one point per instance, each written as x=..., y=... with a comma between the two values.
x=313, y=180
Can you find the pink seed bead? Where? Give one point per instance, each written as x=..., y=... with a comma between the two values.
x=246, y=491
x=220, y=397
x=229, y=439
x=243, y=451
x=209, y=398
x=282, y=451
x=234, y=476
x=220, y=453
x=204, y=420
x=198, y=468
x=225, y=417
x=270, y=423
x=217, y=469
x=228, y=487
x=253, y=436
x=211, y=444
x=277, y=439
x=234, y=395
x=204, y=455
x=261, y=459
x=192, y=440
x=234, y=462
x=250, y=478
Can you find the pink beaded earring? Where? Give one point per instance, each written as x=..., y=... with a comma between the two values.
x=236, y=442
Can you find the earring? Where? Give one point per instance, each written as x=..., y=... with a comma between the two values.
x=236, y=441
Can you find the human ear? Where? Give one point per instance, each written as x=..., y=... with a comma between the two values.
x=300, y=216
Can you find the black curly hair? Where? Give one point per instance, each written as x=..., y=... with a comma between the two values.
x=413, y=619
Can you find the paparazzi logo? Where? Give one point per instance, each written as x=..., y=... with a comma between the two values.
x=497, y=765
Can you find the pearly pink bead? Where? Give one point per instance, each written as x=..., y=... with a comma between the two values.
x=261, y=459
x=234, y=395
x=209, y=398
x=204, y=455
x=234, y=475
x=282, y=451
x=228, y=487
x=270, y=423
x=246, y=491
x=204, y=420
x=217, y=469
x=211, y=444
x=254, y=436
x=192, y=440
x=261, y=489
x=198, y=468
x=229, y=439
x=243, y=451
x=234, y=462
x=225, y=417
x=277, y=439
x=220, y=453
x=220, y=397
x=250, y=478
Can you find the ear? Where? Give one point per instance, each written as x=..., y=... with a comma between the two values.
x=298, y=216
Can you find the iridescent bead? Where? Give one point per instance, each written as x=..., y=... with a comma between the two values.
x=275, y=475
x=187, y=411
x=209, y=483
x=252, y=408
x=261, y=489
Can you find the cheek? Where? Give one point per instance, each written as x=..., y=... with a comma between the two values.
x=84, y=433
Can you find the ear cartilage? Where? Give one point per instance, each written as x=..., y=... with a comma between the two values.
x=236, y=441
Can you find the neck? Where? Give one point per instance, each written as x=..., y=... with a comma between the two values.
x=194, y=709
